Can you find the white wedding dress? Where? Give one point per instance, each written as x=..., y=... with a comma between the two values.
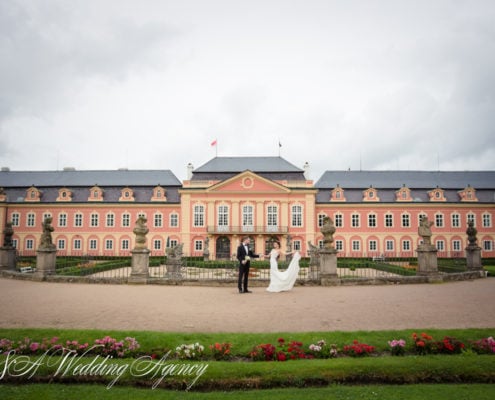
x=283, y=280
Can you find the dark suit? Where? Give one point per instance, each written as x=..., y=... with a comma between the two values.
x=242, y=283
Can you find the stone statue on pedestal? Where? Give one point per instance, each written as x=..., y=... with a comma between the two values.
x=8, y=232
x=46, y=237
x=140, y=231
x=424, y=230
x=328, y=229
x=471, y=233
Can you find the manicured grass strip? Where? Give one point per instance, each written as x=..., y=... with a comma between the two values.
x=333, y=392
x=243, y=343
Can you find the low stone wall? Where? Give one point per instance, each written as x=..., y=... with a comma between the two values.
x=397, y=280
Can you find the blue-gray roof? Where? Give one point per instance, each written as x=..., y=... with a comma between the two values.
x=411, y=179
x=254, y=164
x=74, y=178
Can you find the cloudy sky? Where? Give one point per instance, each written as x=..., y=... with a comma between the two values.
x=149, y=84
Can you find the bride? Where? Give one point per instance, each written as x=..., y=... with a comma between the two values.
x=282, y=280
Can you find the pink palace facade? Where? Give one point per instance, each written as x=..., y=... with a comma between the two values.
x=375, y=212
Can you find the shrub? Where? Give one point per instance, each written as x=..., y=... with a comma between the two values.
x=484, y=346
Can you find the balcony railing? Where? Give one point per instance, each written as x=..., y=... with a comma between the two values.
x=247, y=229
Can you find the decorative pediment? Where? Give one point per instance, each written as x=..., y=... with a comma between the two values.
x=370, y=194
x=33, y=194
x=248, y=181
x=403, y=194
x=159, y=194
x=126, y=194
x=468, y=194
x=95, y=194
x=64, y=194
x=337, y=194
x=437, y=194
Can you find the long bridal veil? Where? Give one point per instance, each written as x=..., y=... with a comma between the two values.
x=283, y=280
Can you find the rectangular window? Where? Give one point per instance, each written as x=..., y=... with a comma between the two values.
x=247, y=218
x=78, y=220
x=406, y=245
x=126, y=219
x=389, y=220
x=77, y=244
x=223, y=218
x=30, y=219
x=487, y=245
x=94, y=220
x=15, y=219
x=440, y=244
x=373, y=246
x=272, y=217
x=46, y=215
x=456, y=220
x=110, y=220
x=471, y=217
x=29, y=244
x=158, y=220
x=199, y=215
x=487, y=220
x=109, y=244
x=93, y=244
x=339, y=220
x=439, y=221
x=321, y=220
x=62, y=220
x=356, y=245
x=61, y=244
x=456, y=245
x=174, y=243
x=355, y=220
x=339, y=245
x=157, y=244
x=14, y=243
x=198, y=245
x=296, y=245
x=321, y=244
x=406, y=221
x=372, y=221
x=174, y=220
x=297, y=215
x=124, y=244
x=389, y=245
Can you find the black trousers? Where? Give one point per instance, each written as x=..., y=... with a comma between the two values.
x=243, y=276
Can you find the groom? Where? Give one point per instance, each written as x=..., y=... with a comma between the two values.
x=244, y=254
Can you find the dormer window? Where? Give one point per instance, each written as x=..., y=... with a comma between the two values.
x=370, y=194
x=33, y=194
x=337, y=194
x=127, y=194
x=437, y=195
x=468, y=194
x=64, y=194
x=403, y=194
x=96, y=194
x=159, y=194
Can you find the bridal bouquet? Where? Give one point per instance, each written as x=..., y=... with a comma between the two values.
x=247, y=258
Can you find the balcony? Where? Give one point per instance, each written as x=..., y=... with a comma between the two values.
x=248, y=229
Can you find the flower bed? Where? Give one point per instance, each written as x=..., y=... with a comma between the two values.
x=283, y=350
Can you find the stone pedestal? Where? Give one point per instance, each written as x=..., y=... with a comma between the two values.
x=328, y=267
x=473, y=258
x=7, y=258
x=427, y=260
x=173, y=269
x=140, y=262
x=46, y=260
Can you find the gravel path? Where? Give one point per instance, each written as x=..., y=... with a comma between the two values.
x=467, y=304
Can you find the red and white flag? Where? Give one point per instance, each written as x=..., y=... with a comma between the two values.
x=214, y=143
